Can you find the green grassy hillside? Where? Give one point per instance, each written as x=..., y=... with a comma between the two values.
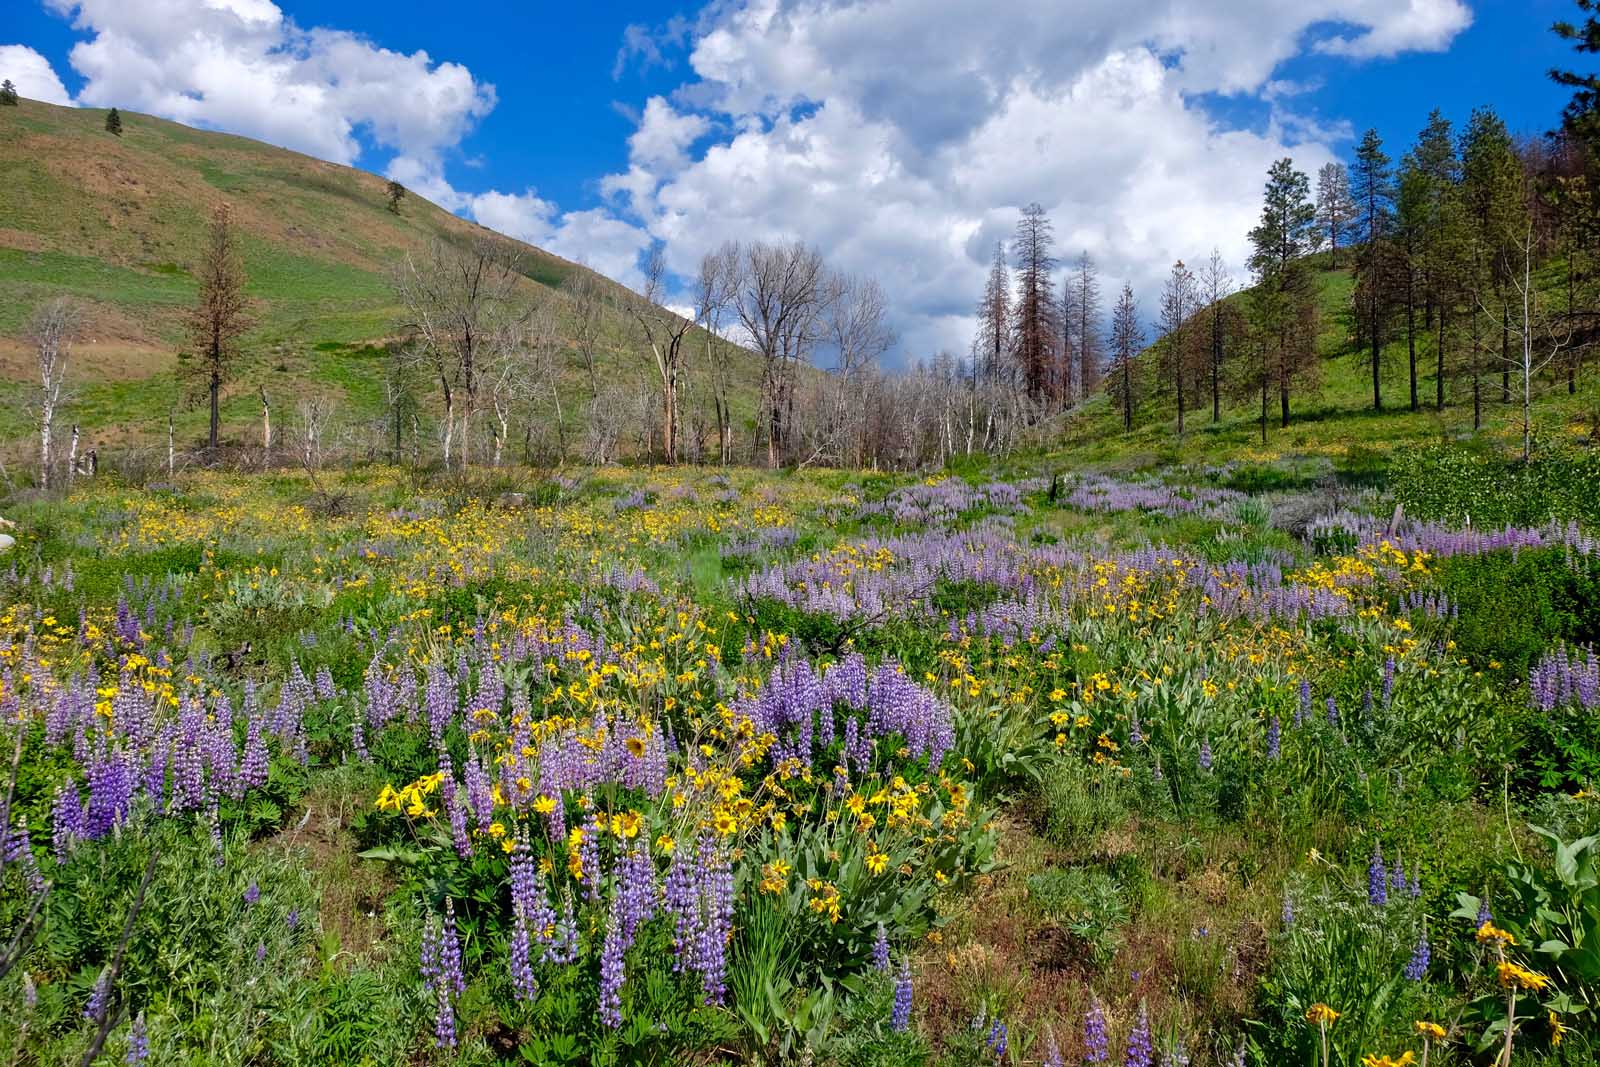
x=1334, y=418
x=117, y=222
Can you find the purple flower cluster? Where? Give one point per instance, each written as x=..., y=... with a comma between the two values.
x=1140, y=1052
x=1566, y=678
x=441, y=972
x=1096, y=1039
x=900, y=1015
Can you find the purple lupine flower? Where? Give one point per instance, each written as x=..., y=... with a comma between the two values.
x=880, y=950
x=324, y=683
x=900, y=1017
x=523, y=985
x=1333, y=712
x=1135, y=738
x=1288, y=911
x=67, y=820
x=1417, y=966
x=1377, y=878
x=95, y=1007
x=1052, y=1054
x=1177, y=1056
x=1274, y=739
x=1096, y=1041
x=261, y=951
x=1205, y=754
x=998, y=1039
x=1139, y=1053
x=292, y=920
x=612, y=968
x=444, y=1021
x=252, y=894
x=1484, y=915
x=138, y=1042
x=1304, y=710
x=450, y=973
x=1388, y=681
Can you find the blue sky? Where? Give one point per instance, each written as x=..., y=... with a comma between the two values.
x=900, y=137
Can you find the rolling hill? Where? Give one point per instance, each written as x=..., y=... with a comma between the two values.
x=117, y=222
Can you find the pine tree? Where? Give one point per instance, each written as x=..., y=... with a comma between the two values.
x=1035, y=313
x=1287, y=301
x=1336, y=209
x=1493, y=188
x=8, y=94
x=1126, y=339
x=1412, y=206
x=1082, y=307
x=1582, y=114
x=114, y=122
x=1372, y=184
x=1221, y=321
x=1178, y=300
x=395, y=193
x=220, y=315
x=990, y=354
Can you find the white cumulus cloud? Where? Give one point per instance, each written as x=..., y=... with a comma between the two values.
x=32, y=74
x=903, y=136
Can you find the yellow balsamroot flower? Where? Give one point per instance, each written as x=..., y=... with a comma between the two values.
x=775, y=877
x=635, y=745
x=544, y=804
x=388, y=800
x=1405, y=1059
x=626, y=824
x=1431, y=1031
x=665, y=843
x=1320, y=1014
x=1490, y=932
x=877, y=862
x=1515, y=976
x=724, y=823
x=1558, y=1029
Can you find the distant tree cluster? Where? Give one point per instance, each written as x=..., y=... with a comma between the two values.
x=8, y=94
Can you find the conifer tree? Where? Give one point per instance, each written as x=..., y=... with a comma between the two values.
x=114, y=122
x=1035, y=313
x=394, y=193
x=220, y=315
x=1582, y=114
x=1372, y=185
x=994, y=320
x=1178, y=299
x=1082, y=313
x=1285, y=312
x=1127, y=337
x=1492, y=185
x=8, y=94
x=1336, y=210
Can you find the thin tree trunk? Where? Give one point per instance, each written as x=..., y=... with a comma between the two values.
x=172, y=456
x=1411, y=335
x=1439, y=383
x=72, y=457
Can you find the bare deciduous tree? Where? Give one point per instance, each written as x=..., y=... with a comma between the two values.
x=51, y=330
x=462, y=308
x=779, y=299
x=715, y=289
x=664, y=331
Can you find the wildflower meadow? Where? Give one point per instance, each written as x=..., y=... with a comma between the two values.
x=671, y=766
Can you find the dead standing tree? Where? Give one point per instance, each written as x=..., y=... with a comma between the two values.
x=52, y=330
x=715, y=288
x=664, y=331
x=779, y=298
x=461, y=307
x=219, y=318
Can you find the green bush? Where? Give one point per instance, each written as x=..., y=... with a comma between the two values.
x=1514, y=606
x=1455, y=484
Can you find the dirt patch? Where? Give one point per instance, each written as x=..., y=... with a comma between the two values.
x=354, y=891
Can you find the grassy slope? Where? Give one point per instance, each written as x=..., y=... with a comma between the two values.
x=117, y=222
x=1332, y=419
